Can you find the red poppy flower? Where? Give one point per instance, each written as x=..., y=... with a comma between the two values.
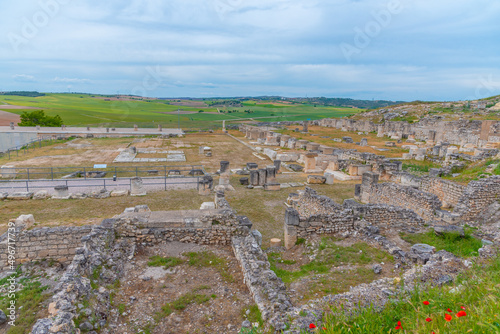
x=426, y=302
x=399, y=327
x=461, y=314
x=428, y=319
x=312, y=326
x=447, y=317
x=399, y=323
x=448, y=310
x=462, y=307
x=323, y=328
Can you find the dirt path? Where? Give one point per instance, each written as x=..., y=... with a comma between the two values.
x=7, y=117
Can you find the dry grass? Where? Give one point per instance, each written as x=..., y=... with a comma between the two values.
x=92, y=211
x=104, y=151
x=373, y=140
x=265, y=209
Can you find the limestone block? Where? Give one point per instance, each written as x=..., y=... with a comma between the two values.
x=270, y=153
x=207, y=205
x=329, y=178
x=20, y=196
x=61, y=192
x=119, y=193
x=42, y=194
x=316, y=179
x=25, y=221
x=272, y=186
x=137, y=187
x=287, y=157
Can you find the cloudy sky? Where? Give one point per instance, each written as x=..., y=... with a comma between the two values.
x=367, y=49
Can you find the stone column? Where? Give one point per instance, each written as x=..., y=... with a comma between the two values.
x=12, y=125
x=224, y=126
x=137, y=187
x=364, y=142
x=292, y=220
x=136, y=127
x=160, y=128
x=277, y=164
x=204, y=188
x=262, y=176
x=284, y=140
x=369, y=180
x=224, y=166
x=61, y=192
x=254, y=177
x=271, y=174
x=305, y=126
x=252, y=166
x=224, y=173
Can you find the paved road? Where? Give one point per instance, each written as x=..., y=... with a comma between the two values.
x=89, y=185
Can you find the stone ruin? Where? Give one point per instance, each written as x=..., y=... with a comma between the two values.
x=85, y=248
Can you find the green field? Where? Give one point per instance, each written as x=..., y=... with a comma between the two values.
x=94, y=110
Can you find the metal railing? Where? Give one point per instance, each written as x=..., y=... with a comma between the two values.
x=55, y=173
x=25, y=148
x=164, y=182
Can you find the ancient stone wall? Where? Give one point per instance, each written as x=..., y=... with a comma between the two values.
x=448, y=192
x=58, y=244
x=454, y=132
x=75, y=284
x=212, y=226
x=268, y=291
x=314, y=214
x=384, y=215
x=477, y=196
x=423, y=203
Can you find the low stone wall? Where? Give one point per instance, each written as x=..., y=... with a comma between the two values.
x=210, y=227
x=384, y=215
x=477, y=196
x=448, y=192
x=57, y=243
x=314, y=214
x=74, y=284
x=423, y=203
x=268, y=291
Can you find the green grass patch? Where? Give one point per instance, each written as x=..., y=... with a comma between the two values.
x=419, y=166
x=329, y=255
x=29, y=300
x=165, y=262
x=252, y=314
x=479, y=295
x=184, y=301
x=209, y=259
x=452, y=242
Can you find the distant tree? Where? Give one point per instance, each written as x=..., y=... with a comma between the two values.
x=200, y=110
x=38, y=117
